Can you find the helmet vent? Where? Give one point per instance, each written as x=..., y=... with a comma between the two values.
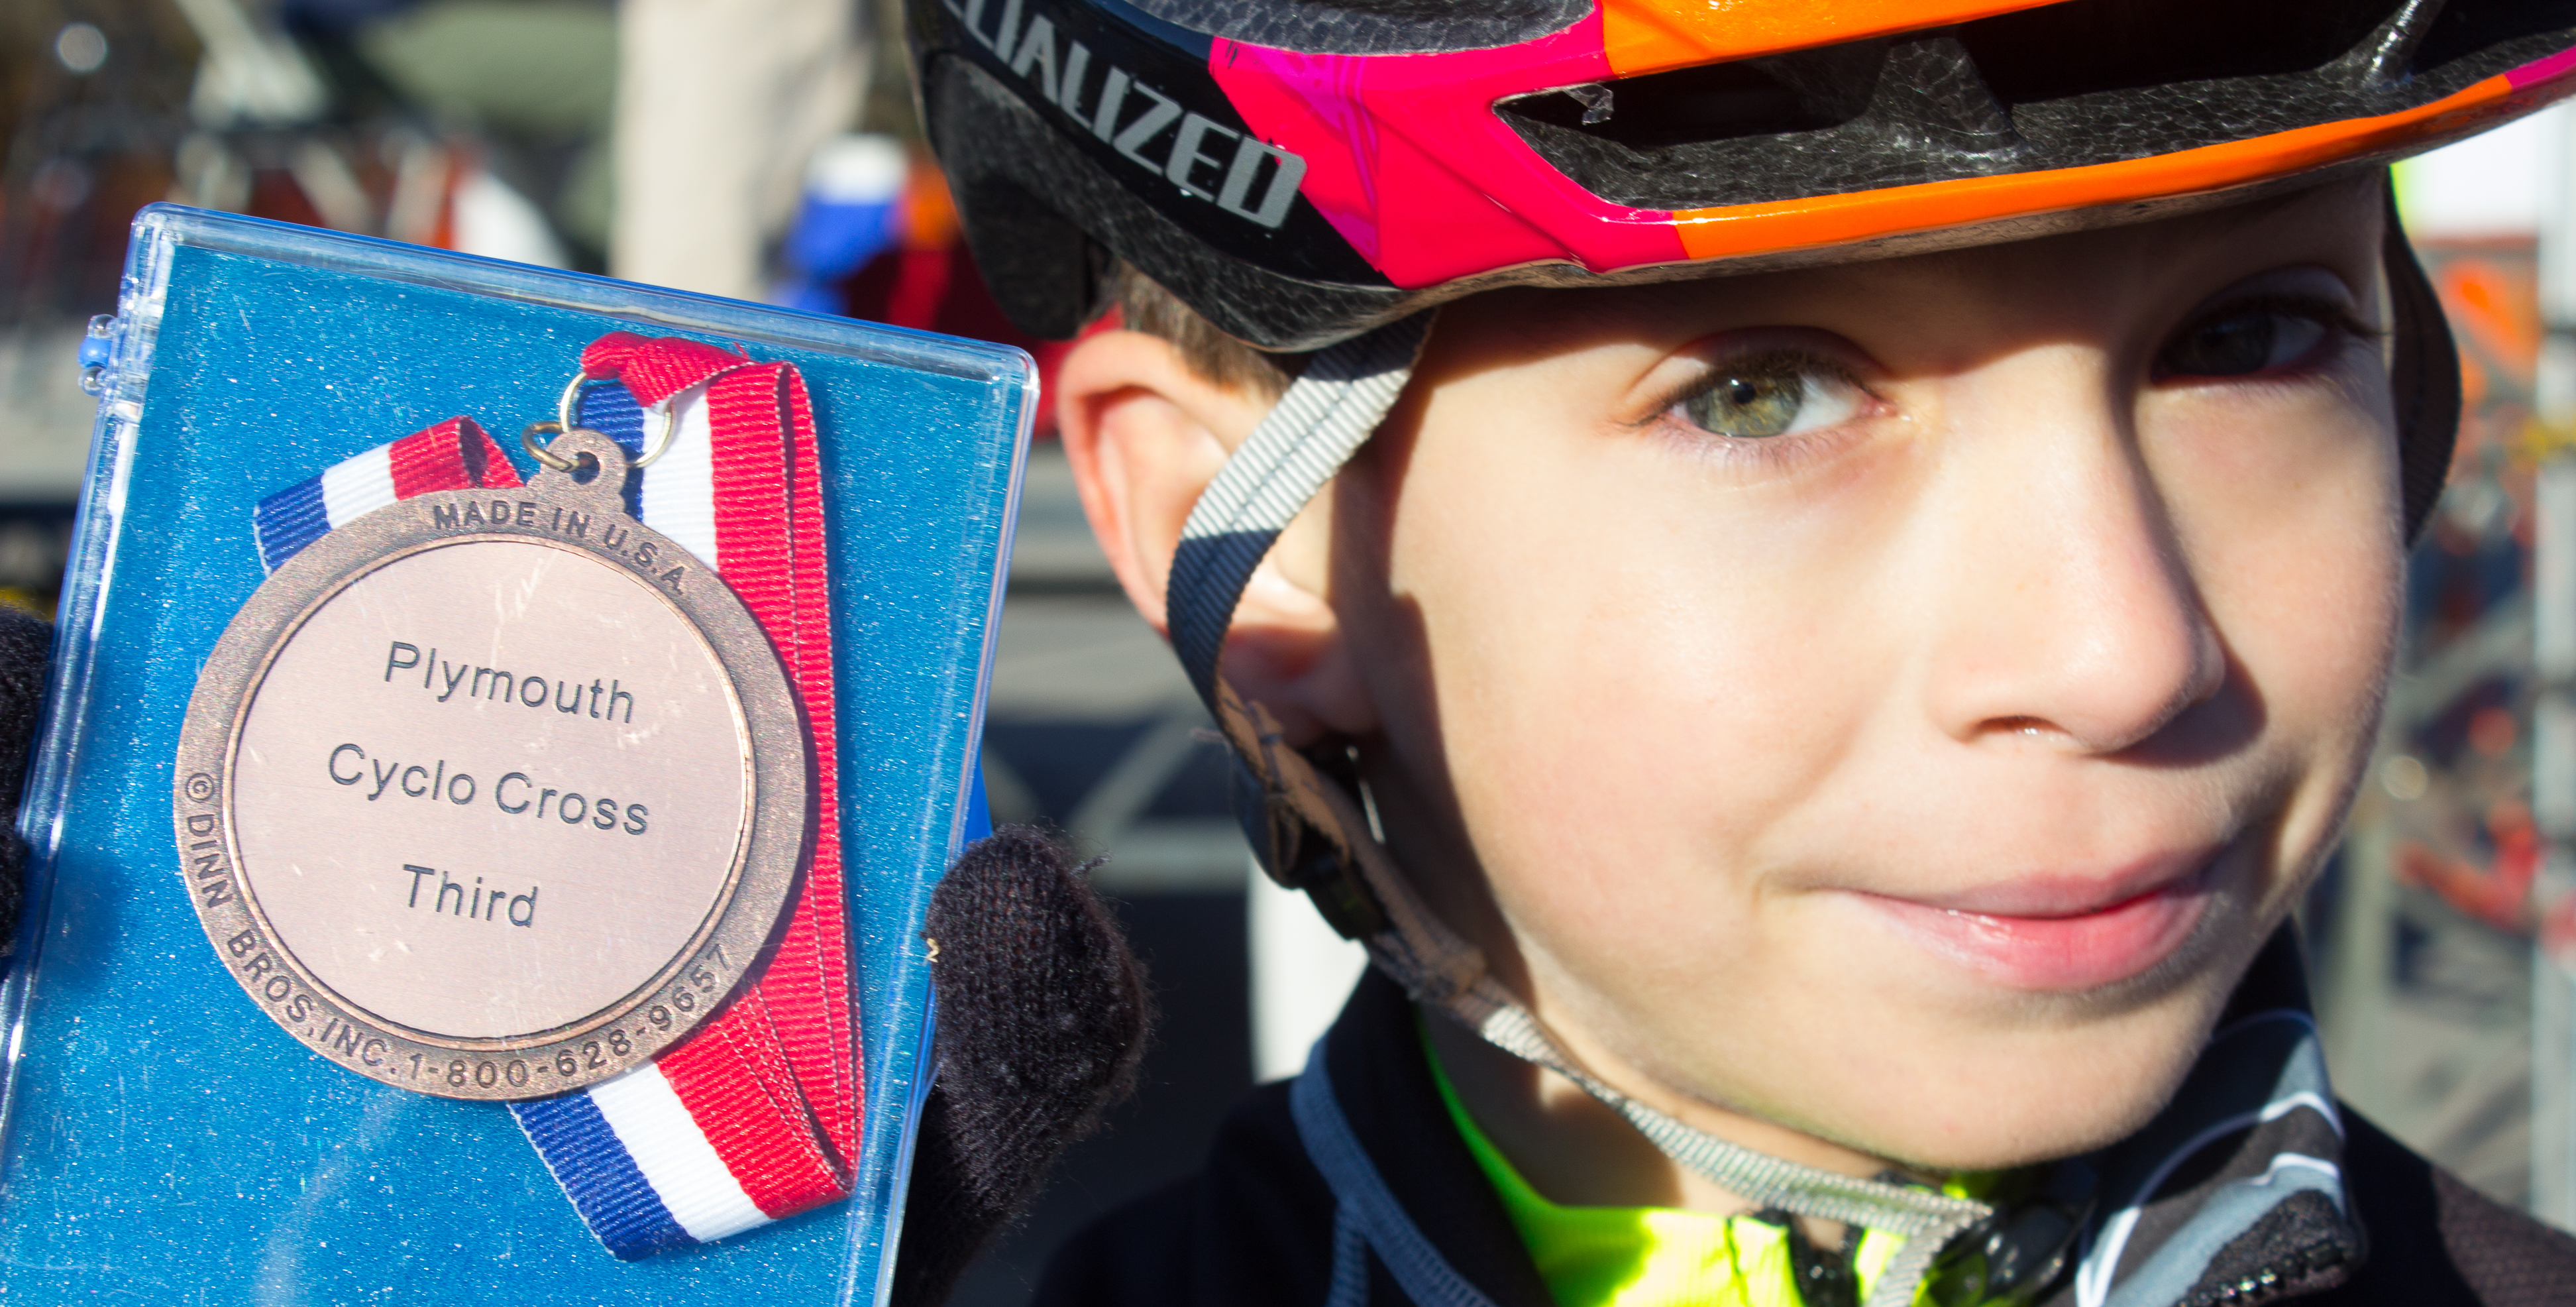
x=2088, y=47
x=2065, y=85
x=2466, y=27
x=1371, y=26
x=1713, y=102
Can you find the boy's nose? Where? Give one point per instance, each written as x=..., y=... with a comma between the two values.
x=2072, y=613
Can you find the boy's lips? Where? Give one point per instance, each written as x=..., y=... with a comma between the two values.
x=2048, y=933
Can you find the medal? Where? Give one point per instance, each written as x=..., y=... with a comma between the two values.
x=526, y=792
x=493, y=794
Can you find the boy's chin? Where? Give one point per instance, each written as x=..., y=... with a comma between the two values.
x=1908, y=1058
x=2023, y=1106
x=2037, y=1077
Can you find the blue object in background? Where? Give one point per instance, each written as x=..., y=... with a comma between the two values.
x=852, y=211
x=165, y=1141
x=979, y=811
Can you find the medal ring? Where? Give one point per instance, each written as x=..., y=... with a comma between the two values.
x=660, y=444
x=568, y=466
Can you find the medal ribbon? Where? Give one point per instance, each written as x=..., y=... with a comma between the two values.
x=755, y=1116
x=454, y=455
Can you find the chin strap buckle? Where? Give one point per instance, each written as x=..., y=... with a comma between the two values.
x=1294, y=816
x=2018, y=1253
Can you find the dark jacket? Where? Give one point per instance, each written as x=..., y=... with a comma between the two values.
x=2248, y=1215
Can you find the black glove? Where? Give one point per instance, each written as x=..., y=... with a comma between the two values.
x=1042, y=1017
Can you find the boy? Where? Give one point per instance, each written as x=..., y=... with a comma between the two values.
x=1821, y=727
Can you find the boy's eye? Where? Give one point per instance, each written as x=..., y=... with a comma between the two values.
x=2243, y=343
x=1770, y=397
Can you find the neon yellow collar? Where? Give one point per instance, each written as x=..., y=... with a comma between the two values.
x=1649, y=1256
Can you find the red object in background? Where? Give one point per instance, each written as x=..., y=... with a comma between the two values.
x=2499, y=896
x=275, y=195
x=928, y=282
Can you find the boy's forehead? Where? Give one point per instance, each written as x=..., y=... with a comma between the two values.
x=2341, y=217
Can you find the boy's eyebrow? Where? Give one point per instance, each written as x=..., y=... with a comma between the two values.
x=2221, y=221
x=2229, y=218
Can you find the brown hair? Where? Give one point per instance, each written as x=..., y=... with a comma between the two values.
x=1215, y=356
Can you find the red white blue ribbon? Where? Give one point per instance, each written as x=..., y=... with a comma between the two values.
x=755, y=1116
x=454, y=455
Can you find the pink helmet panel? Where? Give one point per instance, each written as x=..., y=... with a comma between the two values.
x=1406, y=158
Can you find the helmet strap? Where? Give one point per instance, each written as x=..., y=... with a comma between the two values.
x=1342, y=395
x=2423, y=376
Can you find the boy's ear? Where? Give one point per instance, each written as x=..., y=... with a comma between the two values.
x=1145, y=434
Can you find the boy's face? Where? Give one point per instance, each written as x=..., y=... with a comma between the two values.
x=1891, y=701
x=1921, y=777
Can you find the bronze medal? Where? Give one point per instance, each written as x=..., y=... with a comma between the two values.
x=493, y=794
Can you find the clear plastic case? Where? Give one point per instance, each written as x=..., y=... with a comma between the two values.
x=165, y=1139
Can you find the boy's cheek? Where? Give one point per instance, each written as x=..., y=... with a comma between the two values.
x=2296, y=547
x=1614, y=650
x=2309, y=603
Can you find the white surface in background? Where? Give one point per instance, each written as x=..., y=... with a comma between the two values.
x=44, y=445
x=1301, y=973
x=499, y=223
x=251, y=71
x=2487, y=185
x=81, y=47
x=858, y=168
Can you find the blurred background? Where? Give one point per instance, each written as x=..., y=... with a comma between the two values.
x=766, y=149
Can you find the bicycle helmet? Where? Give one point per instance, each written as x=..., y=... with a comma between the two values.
x=1299, y=171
